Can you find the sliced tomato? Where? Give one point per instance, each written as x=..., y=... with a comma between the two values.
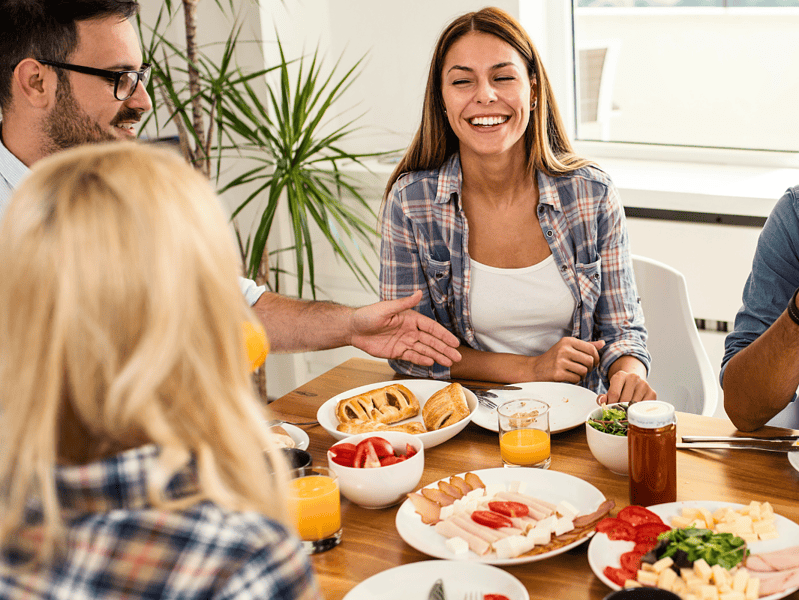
x=409, y=450
x=618, y=576
x=391, y=460
x=644, y=547
x=509, y=509
x=382, y=446
x=631, y=561
x=365, y=455
x=616, y=529
x=491, y=519
x=638, y=515
x=495, y=597
x=343, y=454
x=649, y=532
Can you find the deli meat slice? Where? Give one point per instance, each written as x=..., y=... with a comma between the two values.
x=449, y=529
x=599, y=513
x=538, y=508
x=779, y=560
x=774, y=582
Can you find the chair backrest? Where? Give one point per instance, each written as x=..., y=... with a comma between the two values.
x=596, y=65
x=681, y=372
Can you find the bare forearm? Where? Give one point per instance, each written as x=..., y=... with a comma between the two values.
x=299, y=325
x=490, y=366
x=762, y=378
x=628, y=364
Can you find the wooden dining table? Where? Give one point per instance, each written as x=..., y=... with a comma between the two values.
x=371, y=544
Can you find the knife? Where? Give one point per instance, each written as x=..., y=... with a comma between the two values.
x=723, y=438
x=437, y=591
x=488, y=387
x=769, y=446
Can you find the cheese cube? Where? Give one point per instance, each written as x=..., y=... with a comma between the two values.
x=680, y=522
x=707, y=516
x=743, y=524
x=763, y=526
x=446, y=512
x=631, y=583
x=719, y=575
x=739, y=580
x=662, y=564
x=492, y=489
x=457, y=545
x=732, y=595
x=666, y=579
x=511, y=546
x=748, y=537
x=702, y=569
x=547, y=523
x=709, y=592
x=752, y=589
x=540, y=537
x=766, y=511
x=691, y=513
x=567, y=510
x=563, y=525
x=513, y=486
x=754, y=510
x=647, y=577
x=768, y=535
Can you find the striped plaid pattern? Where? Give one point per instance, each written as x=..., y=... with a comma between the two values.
x=119, y=547
x=425, y=240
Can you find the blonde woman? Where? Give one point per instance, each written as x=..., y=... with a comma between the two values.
x=132, y=461
x=519, y=245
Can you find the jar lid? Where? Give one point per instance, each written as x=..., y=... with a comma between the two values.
x=650, y=414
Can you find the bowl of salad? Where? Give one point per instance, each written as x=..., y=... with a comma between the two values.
x=606, y=431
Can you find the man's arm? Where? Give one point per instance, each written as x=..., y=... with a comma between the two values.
x=761, y=379
x=389, y=329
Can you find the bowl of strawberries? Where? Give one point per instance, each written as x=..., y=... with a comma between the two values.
x=377, y=469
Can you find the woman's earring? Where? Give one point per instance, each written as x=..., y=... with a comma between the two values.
x=534, y=104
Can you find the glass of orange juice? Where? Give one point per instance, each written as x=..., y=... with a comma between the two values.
x=524, y=433
x=315, y=508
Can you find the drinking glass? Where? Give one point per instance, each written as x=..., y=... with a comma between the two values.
x=315, y=506
x=524, y=433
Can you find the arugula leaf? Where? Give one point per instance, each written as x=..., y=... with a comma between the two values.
x=613, y=421
x=723, y=549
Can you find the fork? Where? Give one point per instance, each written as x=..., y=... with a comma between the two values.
x=473, y=596
x=485, y=401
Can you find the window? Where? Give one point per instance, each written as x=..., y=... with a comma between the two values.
x=688, y=73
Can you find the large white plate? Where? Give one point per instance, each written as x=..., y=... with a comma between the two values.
x=413, y=581
x=300, y=437
x=551, y=486
x=603, y=552
x=568, y=404
x=793, y=458
x=422, y=388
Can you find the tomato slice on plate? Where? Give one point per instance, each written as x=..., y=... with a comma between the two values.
x=509, y=509
x=638, y=515
x=495, y=597
x=649, y=532
x=630, y=561
x=616, y=529
x=618, y=576
x=491, y=519
x=644, y=547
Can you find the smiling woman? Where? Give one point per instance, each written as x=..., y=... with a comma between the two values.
x=491, y=207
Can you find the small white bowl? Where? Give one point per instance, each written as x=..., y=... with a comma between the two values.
x=609, y=450
x=381, y=487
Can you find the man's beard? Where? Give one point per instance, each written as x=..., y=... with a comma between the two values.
x=68, y=125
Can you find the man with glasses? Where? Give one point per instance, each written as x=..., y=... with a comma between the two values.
x=71, y=73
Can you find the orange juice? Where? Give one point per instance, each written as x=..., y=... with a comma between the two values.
x=524, y=446
x=316, y=507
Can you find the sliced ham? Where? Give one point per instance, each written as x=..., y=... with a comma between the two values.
x=604, y=509
x=774, y=582
x=779, y=560
x=487, y=533
x=537, y=510
x=449, y=529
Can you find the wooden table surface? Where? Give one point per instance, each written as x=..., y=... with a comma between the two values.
x=371, y=543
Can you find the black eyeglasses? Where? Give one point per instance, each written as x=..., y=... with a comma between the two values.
x=125, y=82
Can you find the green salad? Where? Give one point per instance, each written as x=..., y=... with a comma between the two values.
x=687, y=545
x=612, y=421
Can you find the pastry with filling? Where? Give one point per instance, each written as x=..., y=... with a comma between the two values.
x=384, y=405
x=446, y=407
x=282, y=437
x=409, y=427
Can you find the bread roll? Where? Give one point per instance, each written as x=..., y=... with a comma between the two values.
x=282, y=437
x=409, y=427
x=446, y=407
x=383, y=405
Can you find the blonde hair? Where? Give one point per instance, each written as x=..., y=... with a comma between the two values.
x=119, y=307
x=546, y=143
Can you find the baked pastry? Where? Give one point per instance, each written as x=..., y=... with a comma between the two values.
x=409, y=427
x=282, y=437
x=446, y=407
x=383, y=405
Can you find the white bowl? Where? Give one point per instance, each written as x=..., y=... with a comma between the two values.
x=381, y=487
x=609, y=450
x=422, y=388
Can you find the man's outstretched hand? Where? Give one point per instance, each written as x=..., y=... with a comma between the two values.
x=392, y=329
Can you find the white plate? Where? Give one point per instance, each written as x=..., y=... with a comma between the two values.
x=422, y=388
x=301, y=439
x=551, y=486
x=603, y=552
x=568, y=404
x=793, y=458
x=413, y=582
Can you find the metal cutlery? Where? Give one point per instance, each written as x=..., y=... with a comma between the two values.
x=768, y=445
x=486, y=402
x=739, y=438
x=437, y=591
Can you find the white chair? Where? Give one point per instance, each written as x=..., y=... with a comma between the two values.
x=596, y=66
x=681, y=372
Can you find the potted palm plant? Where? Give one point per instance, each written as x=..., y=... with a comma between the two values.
x=277, y=120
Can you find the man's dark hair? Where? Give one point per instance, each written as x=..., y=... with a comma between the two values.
x=47, y=29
